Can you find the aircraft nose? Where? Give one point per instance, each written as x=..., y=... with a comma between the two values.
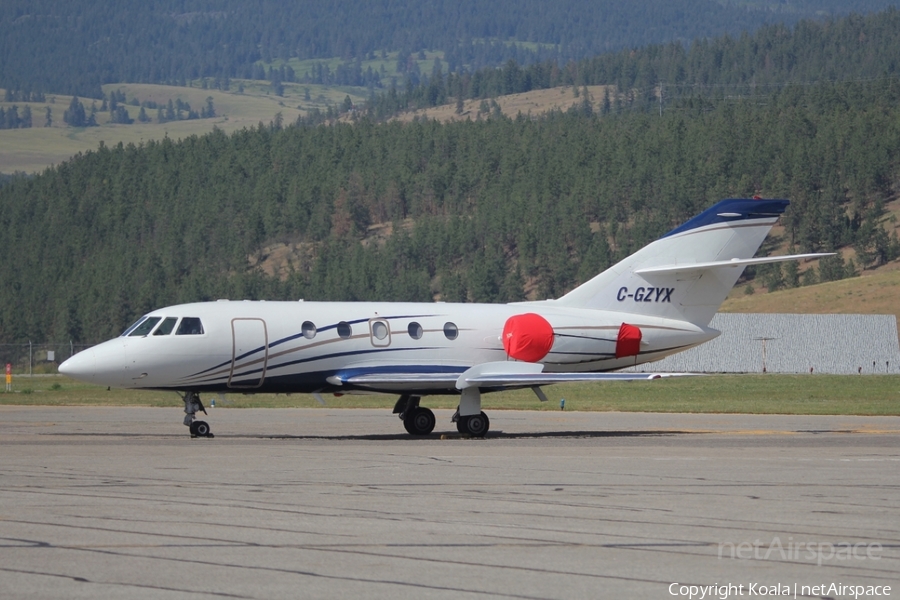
x=103, y=364
x=80, y=365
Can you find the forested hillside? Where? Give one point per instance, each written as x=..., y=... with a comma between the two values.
x=74, y=47
x=745, y=66
x=490, y=210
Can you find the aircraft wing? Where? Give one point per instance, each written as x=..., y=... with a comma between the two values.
x=519, y=374
x=494, y=375
x=395, y=381
x=528, y=379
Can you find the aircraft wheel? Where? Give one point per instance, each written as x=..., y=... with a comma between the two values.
x=477, y=425
x=461, y=424
x=200, y=429
x=420, y=422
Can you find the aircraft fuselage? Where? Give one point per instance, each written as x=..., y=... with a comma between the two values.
x=303, y=347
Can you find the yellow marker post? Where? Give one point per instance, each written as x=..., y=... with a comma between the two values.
x=8, y=377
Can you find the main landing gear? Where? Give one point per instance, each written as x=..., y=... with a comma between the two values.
x=469, y=417
x=417, y=420
x=474, y=425
x=192, y=405
x=420, y=421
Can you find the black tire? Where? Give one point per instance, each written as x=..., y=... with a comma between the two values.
x=477, y=425
x=419, y=422
x=461, y=424
x=200, y=428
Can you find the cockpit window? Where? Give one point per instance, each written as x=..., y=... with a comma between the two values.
x=145, y=327
x=190, y=326
x=133, y=325
x=166, y=327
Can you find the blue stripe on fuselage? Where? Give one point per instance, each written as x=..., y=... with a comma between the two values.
x=299, y=335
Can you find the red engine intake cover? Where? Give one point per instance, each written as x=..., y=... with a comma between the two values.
x=527, y=337
x=629, y=341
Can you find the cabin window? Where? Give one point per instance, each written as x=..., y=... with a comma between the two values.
x=379, y=330
x=190, y=326
x=133, y=325
x=415, y=331
x=166, y=327
x=451, y=331
x=308, y=329
x=145, y=328
x=344, y=330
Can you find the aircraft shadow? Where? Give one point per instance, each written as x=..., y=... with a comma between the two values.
x=492, y=435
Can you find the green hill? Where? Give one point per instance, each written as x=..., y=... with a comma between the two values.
x=75, y=47
x=495, y=210
x=491, y=207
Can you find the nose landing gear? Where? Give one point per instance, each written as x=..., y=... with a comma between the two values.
x=192, y=404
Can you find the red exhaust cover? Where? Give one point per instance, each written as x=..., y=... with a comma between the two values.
x=527, y=337
x=629, y=341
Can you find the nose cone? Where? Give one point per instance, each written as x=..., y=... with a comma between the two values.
x=103, y=364
x=79, y=365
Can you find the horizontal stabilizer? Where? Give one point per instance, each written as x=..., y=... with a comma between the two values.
x=734, y=262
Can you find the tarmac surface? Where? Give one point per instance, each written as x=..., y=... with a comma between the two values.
x=324, y=503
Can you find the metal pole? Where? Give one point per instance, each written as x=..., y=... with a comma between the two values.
x=660, y=98
x=764, y=340
x=30, y=361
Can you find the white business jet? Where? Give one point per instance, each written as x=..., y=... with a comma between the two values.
x=654, y=303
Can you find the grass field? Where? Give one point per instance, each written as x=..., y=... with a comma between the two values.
x=386, y=67
x=246, y=104
x=533, y=103
x=34, y=149
x=756, y=394
x=876, y=293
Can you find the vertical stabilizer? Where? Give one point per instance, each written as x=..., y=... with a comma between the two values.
x=672, y=277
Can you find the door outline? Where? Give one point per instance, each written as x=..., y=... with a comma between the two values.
x=234, y=357
x=382, y=343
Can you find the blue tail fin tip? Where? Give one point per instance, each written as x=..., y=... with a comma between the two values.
x=734, y=209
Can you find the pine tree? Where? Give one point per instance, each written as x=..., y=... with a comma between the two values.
x=791, y=274
x=12, y=118
x=832, y=268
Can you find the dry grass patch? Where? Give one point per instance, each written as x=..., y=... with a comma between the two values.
x=876, y=293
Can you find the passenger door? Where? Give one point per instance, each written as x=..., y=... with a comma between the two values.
x=249, y=353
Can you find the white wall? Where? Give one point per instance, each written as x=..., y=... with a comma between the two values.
x=828, y=343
